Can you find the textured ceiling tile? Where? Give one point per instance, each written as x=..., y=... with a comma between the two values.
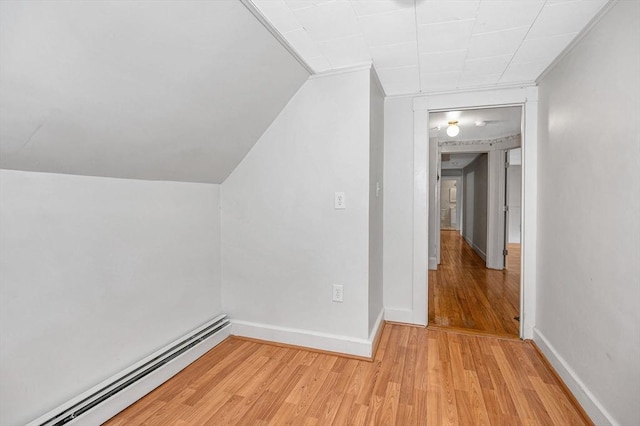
x=396, y=55
x=501, y=15
x=497, y=43
x=491, y=65
x=442, y=61
x=517, y=73
x=563, y=18
x=303, y=4
x=389, y=28
x=302, y=43
x=397, y=81
x=429, y=12
x=369, y=7
x=346, y=51
x=444, y=36
x=278, y=14
x=474, y=79
x=318, y=64
x=542, y=49
x=434, y=82
x=329, y=21
x=466, y=37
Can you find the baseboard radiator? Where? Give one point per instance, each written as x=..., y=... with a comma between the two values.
x=116, y=393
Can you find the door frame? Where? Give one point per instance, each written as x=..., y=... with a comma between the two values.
x=527, y=97
x=458, y=180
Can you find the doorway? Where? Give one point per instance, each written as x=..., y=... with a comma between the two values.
x=474, y=281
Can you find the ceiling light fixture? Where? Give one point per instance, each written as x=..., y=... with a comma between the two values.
x=453, y=129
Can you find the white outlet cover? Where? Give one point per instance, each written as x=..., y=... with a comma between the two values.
x=338, y=293
x=339, y=201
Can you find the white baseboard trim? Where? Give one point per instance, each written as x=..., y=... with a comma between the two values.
x=132, y=393
x=477, y=249
x=399, y=315
x=598, y=414
x=376, y=327
x=306, y=338
x=433, y=263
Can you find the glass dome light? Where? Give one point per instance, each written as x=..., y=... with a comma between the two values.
x=453, y=129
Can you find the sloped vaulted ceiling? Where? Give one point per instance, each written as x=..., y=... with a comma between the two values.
x=162, y=90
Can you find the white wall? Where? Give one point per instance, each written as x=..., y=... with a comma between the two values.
x=284, y=244
x=96, y=274
x=589, y=233
x=398, y=208
x=475, y=195
x=376, y=198
x=160, y=90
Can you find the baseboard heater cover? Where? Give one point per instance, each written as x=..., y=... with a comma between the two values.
x=70, y=412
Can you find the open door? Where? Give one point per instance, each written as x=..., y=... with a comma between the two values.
x=505, y=251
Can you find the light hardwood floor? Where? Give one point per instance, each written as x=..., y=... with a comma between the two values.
x=418, y=377
x=464, y=294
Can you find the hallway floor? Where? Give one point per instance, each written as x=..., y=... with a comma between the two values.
x=464, y=294
x=418, y=377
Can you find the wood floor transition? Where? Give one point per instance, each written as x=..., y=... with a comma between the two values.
x=464, y=294
x=418, y=377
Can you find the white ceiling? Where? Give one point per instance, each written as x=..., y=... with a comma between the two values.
x=432, y=45
x=457, y=161
x=166, y=90
x=494, y=123
x=477, y=124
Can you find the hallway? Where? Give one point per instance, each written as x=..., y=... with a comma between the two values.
x=464, y=294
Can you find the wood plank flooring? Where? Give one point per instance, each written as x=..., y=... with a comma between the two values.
x=464, y=294
x=418, y=377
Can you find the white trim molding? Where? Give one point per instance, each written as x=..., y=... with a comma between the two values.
x=136, y=390
x=255, y=11
x=307, y=338
x=596, y=411
x=420, y=215
x=526, y=96
x=398, y=315
x=477, y=249
x=342, y=70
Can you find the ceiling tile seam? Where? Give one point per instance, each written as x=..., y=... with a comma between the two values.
x=386, y=12
x=519, y=85
x=393, y=44
x=453, y=21
x=484, y=58
x=476, y=19
x=396, y=68
x=376, y=13
x=329, y=40
x=466, y=54
x=522, y=41
x=446, y=51
x=551, y=36
x=361, y=32
x=503, y=30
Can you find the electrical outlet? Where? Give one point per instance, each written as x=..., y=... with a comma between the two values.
x=339, y=201
x=338, y=293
